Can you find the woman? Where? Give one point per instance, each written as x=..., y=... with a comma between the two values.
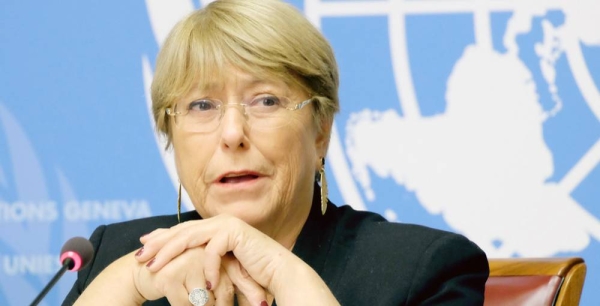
x=245, y=92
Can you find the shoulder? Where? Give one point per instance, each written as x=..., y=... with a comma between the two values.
x=425, y=264
x=370, y=233
x=372, y=229
x=123, y=233
x=154, y=222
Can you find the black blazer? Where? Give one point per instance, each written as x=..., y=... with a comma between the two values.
x=364, y=259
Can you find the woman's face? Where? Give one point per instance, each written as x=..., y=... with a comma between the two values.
x=262, y=175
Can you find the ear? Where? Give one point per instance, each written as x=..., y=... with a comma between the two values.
x=323, y=137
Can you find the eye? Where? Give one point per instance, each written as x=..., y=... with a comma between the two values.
x=266, y=101
x=202, y=106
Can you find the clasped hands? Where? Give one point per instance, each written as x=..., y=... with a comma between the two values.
x=222, y=254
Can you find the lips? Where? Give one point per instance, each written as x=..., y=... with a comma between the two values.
x=237, y=177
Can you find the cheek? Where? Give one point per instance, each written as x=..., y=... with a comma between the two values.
x=192, y=155
x=292, y=150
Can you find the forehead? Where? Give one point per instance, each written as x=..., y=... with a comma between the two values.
x=237, y=80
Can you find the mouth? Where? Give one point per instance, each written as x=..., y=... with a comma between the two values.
x=237, y=177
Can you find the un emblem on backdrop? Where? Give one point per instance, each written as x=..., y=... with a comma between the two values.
x=485, y=152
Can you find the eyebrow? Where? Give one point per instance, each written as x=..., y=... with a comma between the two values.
x=246, y=83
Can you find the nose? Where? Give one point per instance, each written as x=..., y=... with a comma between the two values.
x=233, y=128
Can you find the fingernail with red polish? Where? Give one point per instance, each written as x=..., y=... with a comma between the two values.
x=139, y=253
x=208, y=285
x=264, y=303
x=150, y=262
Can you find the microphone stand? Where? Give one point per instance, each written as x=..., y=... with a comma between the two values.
x=67, y=264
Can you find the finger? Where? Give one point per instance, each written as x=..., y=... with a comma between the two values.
x=224, y=293
x=213, y=252
x=199, y=296
x=175, y=246
x=194, y=280
x=242, y=300
x=252, y=252
x=246, y=285
x=177, y=295
x=171, y=243
x=152, y=234
x=152, y=243
x=142, y=255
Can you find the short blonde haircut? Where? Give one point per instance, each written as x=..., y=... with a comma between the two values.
x=261, y=37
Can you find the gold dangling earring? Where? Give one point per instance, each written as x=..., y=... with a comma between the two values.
x=323, y=186
x=179, y=204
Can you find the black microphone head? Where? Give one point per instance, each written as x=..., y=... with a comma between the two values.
x=79, y=251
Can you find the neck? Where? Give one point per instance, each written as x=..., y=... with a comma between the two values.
x=286, y=230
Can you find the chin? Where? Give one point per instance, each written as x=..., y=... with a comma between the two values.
x=251, y=212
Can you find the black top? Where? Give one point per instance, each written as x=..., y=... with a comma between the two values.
x=364, y=259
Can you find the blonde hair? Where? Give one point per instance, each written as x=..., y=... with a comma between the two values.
x=261, y=37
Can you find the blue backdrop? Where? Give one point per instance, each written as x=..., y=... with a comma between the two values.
x=480, y=118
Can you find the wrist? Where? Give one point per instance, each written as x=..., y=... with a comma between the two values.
x=116, y=285
x=296, y=283
x=135, y=274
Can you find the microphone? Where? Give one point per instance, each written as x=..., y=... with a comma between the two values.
x=75, y=254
